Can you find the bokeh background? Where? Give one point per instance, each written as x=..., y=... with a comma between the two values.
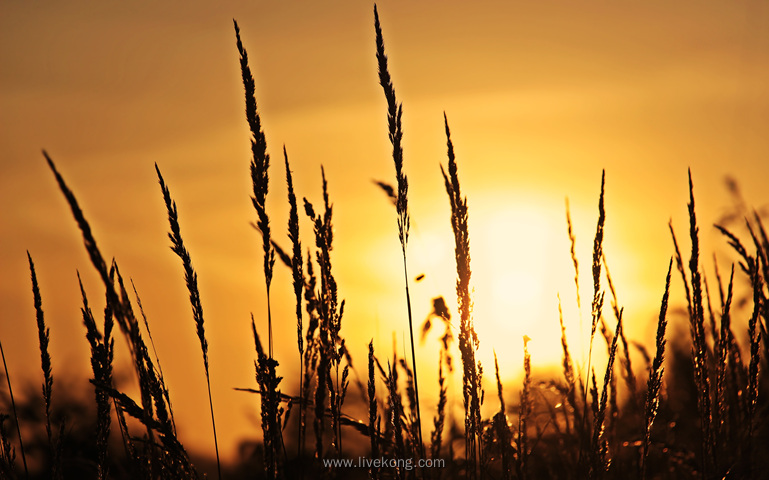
x=540, y=98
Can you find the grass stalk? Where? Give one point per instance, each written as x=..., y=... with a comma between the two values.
x=654, y=385
x=191, y=279
x=598, y=295
x=439, y=422
x=500, y=423
x=298, y=282
x=722, y=358
x=599, y=446
x=330, y=311
x=396, y=414
x=373, y=415
x=312, y=337
x=763, y=249
x=269, y=382
x=102, y=351
x=260, y=164
x=700, y=351
x=468, y=339
x=45, y=363
x=596, y=306
x=117, y=309
x=524, y=414
x=754, y=337
x=394, y=116
x=752, y=267
x=88, y=239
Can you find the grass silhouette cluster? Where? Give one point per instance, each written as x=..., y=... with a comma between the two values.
x=594, y=421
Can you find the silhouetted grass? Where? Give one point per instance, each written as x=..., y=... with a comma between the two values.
x=697, y=409
x=191, y=279
x=395, y=131
x=102, y=354
x=468, y=339
x=654, y=386
x=44, y=336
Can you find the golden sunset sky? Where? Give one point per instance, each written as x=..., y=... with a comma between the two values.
x=540, y=97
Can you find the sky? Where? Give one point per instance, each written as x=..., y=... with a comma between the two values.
x=540, y=98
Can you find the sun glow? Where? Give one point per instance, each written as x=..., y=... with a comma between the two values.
x=518, y=265
x=521, y=270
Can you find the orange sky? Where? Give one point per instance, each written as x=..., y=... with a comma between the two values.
x=539, y=97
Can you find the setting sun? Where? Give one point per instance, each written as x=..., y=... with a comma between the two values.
x=518, y=263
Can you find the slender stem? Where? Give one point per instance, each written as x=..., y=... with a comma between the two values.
x=413, y=357
x=301, y=410
x=338, y=412
x=269, y=323
x=213, y=424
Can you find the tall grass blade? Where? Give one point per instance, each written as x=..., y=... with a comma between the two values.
x=599, y=446
x=722, y=358
x=260, y=164
x=524, y=414
x=654, y=385
x=191, y=279
x=700, y=350
x=439, y=422
x=596, y=308
x=330, y=312
x=102, y=351
x=45, y=363
x=373, y=415
x=468, y=339
x=269, y=382
x=395, y=131
x=298, y=282
x=502, y=430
